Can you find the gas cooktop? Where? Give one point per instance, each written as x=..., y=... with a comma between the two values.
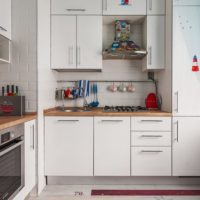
x=124, y=109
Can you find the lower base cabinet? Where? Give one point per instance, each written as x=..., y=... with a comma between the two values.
x=69, y=146
x=30, y=159
x=112, y=146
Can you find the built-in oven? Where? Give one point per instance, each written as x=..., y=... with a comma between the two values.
x=11, y=161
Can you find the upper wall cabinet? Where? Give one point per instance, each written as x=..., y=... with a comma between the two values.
x=76, y=7
x=76, y=42
x=155, y=43
x=5, y=18
x=186, y=2
x=155, y=7
x=117, y=7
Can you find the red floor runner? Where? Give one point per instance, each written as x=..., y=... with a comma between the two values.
x=146, y=192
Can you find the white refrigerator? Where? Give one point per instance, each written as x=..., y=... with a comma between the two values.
x=186, y=88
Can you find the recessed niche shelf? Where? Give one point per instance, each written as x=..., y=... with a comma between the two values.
x=4, y=50
x=138, y=36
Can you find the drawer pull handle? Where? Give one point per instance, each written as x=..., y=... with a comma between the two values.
x=80, y=10
x=111, y=120
x=148, y=151
x=151, y=136
x=151, y=120
x=68, y=120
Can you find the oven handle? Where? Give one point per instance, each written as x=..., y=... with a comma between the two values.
x=11, y=148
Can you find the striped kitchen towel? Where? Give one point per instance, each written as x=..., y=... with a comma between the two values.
x=84, y=86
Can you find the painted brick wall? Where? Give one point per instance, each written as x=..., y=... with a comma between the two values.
x=23, y=68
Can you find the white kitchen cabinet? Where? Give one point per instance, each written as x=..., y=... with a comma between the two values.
x=186, y=84
x=151, y=143
x=5, y=18
x=186, y=146
x=151, y=124
x=30, y=155
x=89, y=42
x=76, y=7
x=150, y=138
x=69, y=146
x=135, y=7
x=155, y=7
x=112, y=146
x=155, y=43
x=30, y=160
x=76, y=42
x=186, y=2
x=151, y=161
x=63, y=42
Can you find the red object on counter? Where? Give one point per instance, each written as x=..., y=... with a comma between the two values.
x=151, y=101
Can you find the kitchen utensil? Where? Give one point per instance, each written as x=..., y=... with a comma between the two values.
x=151, y=101
x=67, y=93
x=131, y=88
x=94, y=89
x=3, y=91
x=122, y=88
x=112, y=88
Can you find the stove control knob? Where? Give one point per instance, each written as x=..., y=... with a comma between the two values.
x=12, y=135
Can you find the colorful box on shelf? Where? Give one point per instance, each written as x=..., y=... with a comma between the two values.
x=12, y=105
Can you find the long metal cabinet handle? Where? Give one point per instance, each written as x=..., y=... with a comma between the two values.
x=150, y=55
x=111, y=120
x=79, y=55
x=151, y=136
x=150, y=5
x=177, y=132
x=72, y=55
x=149, y=120
x=149, y=151
x=177, y=99
x=33, y=129
x=69, y=55
x=68, y=120
x=74, y=9
x=3, y=29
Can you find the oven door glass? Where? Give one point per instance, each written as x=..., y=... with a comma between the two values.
x=10, y=170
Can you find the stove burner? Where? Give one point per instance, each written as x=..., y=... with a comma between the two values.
x=124, y=108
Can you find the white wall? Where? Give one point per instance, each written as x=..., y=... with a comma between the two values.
x=113, y=70
x=46, y=80
x=22, y=70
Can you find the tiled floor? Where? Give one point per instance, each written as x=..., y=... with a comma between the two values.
x=82, y=192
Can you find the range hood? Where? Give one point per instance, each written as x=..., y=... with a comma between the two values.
x=123, y=47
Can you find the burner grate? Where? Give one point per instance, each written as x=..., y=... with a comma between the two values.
x=124, y=108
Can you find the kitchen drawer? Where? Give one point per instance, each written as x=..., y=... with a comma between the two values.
x=151, y=161
x=76, y=7
x=151, y=123
x=151, y=139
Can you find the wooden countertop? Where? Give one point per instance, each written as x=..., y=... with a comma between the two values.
x=99, y=112
x=6, y=122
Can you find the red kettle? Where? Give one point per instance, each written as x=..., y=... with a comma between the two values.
x=151, y=101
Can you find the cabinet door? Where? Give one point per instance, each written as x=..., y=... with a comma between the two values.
x=155, y=7
x=186, y=40
x=89, y=42
x=69, y=146
x=112, y=146
x=63, y=42
x=151, y=161
x=155, y=42
x=186, y=2
x=115, y=7
x=5, y=18
x=30, y=155
x=76, y=7
x=186, y=146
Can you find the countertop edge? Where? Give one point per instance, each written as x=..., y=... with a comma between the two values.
x=6, y=122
